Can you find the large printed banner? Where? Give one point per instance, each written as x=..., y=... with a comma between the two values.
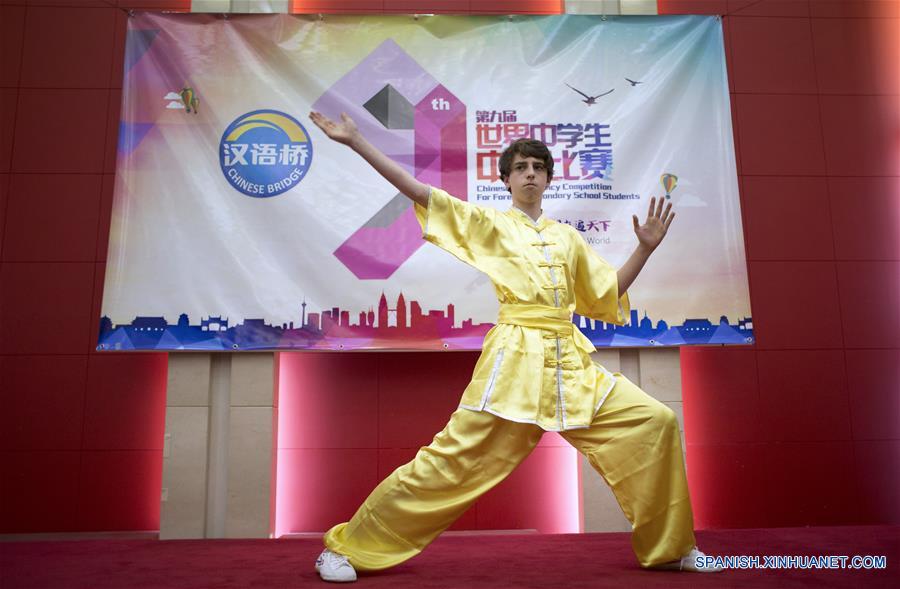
x=238, y=225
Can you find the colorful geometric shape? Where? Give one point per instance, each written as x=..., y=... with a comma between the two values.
x=137, y=42
x=391, y=109
x=441, y=141
x=428, y=139
x=131, y=135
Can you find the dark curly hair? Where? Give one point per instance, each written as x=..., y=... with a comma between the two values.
x=525, y=148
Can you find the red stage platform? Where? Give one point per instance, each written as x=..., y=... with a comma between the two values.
x=469, y=561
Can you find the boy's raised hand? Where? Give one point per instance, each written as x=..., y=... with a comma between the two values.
x=651, y=233
x=344, y=132
x=347, y=133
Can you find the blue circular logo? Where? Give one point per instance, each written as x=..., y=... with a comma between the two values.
x=264, y=153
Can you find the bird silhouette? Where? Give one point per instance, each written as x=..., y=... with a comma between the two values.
x=589, y=100
x=633, y=82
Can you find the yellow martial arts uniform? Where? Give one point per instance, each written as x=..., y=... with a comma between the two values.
x=535, y=366
x=535, y=374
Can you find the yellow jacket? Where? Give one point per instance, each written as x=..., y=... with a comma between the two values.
x=535, y=365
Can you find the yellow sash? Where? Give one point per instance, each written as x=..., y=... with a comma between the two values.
x=552, y=319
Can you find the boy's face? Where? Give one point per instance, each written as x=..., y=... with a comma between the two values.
x=527, y=180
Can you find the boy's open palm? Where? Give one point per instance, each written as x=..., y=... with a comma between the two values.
x=651, y=233
x=343, y=132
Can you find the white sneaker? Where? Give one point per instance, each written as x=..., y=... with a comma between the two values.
x=694, y=562
x=335, y=567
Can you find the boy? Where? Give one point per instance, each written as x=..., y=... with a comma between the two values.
x=535, y=374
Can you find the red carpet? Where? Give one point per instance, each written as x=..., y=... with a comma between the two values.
x=464, y=562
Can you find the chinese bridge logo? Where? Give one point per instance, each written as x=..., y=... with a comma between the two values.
x=264, y=153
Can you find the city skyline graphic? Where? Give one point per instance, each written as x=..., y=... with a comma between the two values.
x=403, y=326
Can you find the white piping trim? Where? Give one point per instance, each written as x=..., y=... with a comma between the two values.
x=612, y=381
x=560, y=401
x=489, y=389
x=571, y=427
x=508, y=418
x=521, y=420
x=427, y=210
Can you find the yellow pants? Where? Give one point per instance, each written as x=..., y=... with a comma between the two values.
x=633, y=442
